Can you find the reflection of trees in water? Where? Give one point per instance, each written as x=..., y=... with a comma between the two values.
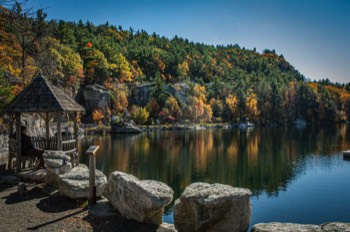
x=263, y=159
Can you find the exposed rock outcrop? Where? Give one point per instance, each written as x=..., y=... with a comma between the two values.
x=75, y=183
x=125, y=128
x=141, y=200
x=293, y=227
x=213, y=207
x=96, y=97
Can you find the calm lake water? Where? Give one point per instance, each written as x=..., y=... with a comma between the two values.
x=296, y=175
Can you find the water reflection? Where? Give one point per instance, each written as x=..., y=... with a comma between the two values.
x=263, y=160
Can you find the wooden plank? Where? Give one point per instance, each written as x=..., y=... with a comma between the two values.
x=70, y=151
x=92, y=150
x=68, y=141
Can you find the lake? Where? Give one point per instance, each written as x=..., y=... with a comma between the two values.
x=296, y=175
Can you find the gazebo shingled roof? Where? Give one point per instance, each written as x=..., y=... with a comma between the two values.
x=42, y=96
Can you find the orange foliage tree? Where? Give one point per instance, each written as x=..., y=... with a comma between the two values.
x=97, y=116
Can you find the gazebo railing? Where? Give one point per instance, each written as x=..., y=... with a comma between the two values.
x=69, y=147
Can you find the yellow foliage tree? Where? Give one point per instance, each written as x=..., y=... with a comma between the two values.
x=232, y=105
x=199, y=91
x=252, y=106
x=207, y=113
x=139, y=114
x=123, y=69
x=183, y=69
x=172, y=108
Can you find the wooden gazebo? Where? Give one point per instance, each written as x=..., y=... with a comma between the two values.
x=42, y=97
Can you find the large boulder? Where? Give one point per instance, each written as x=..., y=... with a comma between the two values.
x=213, y=207
x=75, y=183
x=141, y=200
x=56, y=163
x=293, y=227
x=125, y=128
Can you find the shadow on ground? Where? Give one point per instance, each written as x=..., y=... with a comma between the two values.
x=56, y=204
x=33, y=193
x=117, y=223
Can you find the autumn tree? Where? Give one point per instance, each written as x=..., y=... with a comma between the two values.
x=60, y=63
x=121, y=69
x=252, y=110
x=98, y=116
x=28, y=29
x=139, y=114
x=231, y=110
x=95, y=66
x=172, y=109
x=217, y=107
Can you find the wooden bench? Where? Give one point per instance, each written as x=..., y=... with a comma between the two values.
x=69, y=147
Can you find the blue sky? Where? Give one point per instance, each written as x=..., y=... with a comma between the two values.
x=313, y=35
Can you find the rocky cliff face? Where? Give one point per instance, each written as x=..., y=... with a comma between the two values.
x=96, y=97
x=141, y=94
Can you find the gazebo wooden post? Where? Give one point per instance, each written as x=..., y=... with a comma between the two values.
x=47, y=127
x=11, y=123
x=59, y=133
x=75, y=119
x=18, y=137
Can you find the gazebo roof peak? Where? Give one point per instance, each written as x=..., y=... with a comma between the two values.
x=42, y=96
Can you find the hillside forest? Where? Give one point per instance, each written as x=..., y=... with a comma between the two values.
x=188, y=81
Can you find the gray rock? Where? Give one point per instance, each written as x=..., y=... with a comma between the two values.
x=166, y=227
x=22, y=188
x=56, y=163
x=335, y=226
x=285, y=227
x=293, y=227
x=143, y=201
x=33, y=176
x=75, y=183
x=125, y=128
x=96, y=97
x=55, y=159
x=212, y=207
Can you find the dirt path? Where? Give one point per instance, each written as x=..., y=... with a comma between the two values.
x=42, y=209
x=38, y=211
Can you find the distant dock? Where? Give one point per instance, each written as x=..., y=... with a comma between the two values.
x=346, y=154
